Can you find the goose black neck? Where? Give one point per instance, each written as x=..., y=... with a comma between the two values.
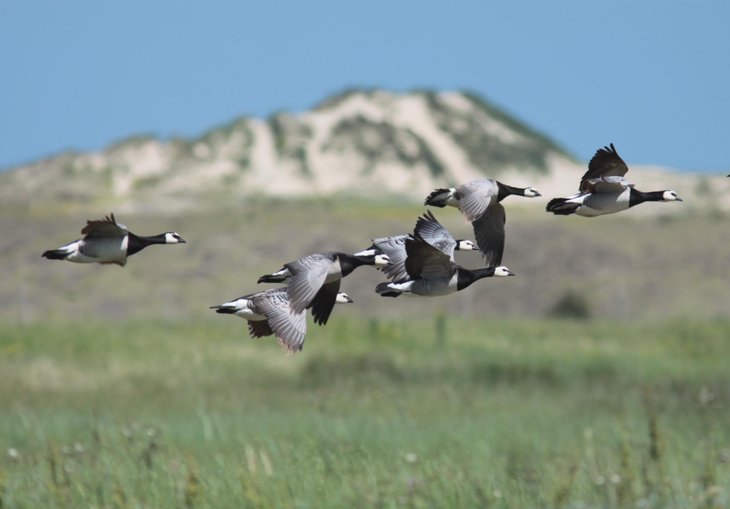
x=348, y=263
x=505, y=191
x=135, y=243
x=467, y=276
x=636, y=196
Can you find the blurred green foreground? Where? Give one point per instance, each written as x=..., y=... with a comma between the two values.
x=519, y=414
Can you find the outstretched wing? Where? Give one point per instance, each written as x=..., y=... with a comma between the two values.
x=395, y=248
x=489, y=233
x=425, y=261
x=430, y=230
x=259, y=328
x=289, y=328
x=107, y=227
x=605, y=163
x=308, y=275
x=475, y=196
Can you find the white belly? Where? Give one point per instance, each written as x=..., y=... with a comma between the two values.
x=433, y=287
x=243, y=310
x=111, y=250
x=599, y=204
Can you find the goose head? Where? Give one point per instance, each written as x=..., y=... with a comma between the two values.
x=465, y=245
x=381, y=260
x=531, y=192
x=670, y=196
x=173, y=238
x=343, y=298
x=502, y=271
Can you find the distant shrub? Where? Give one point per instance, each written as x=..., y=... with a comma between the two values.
x=571, y=305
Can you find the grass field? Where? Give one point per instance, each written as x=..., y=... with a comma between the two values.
x=496, y=413
x=623, y=266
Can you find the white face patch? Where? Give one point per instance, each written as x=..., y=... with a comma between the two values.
x=503, y=271
x=466, y=245
x=173, y=238
x=670, y=196
x=343, y=298
x=381, y=260
x=531, y=192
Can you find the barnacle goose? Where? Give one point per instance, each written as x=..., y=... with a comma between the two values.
x=479, y=202
x=106, y=241
x=268, y=314
x=604, y=190
x=395, y=246
x=431, y=270
x=314, y=280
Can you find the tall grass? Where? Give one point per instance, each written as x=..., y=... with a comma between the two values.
x=371, y=414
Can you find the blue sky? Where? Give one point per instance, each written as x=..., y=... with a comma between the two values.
x=651, y=76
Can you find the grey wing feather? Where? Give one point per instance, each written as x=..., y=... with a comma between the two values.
x=289, y=328
x=430, y=230
x=605, y=163
x=395, y=248
x=308, y=276
x=107, y=227
x=425, y=261
x=489, y=233
x=476, y=196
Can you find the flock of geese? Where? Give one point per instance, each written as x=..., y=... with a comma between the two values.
x=421, y=263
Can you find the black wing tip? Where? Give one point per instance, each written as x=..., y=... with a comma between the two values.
x=427, y=218
x=321, y=321
x=321, y=316
x=610, y=149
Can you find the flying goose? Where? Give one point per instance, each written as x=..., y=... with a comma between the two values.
x=604, y=190
x=394, y=247
x=431, y=269
x=314, y=280
x=106, y=241
x=268, y=314
x=479, y=202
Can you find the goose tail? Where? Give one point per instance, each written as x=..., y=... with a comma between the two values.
x=224, y=309
x=55, y=254
x=439, y=197
x=385, y=290
x=561, y=207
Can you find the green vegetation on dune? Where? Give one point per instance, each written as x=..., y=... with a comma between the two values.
x=373, y=413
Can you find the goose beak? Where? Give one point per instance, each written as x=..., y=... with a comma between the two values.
x=679, y=199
